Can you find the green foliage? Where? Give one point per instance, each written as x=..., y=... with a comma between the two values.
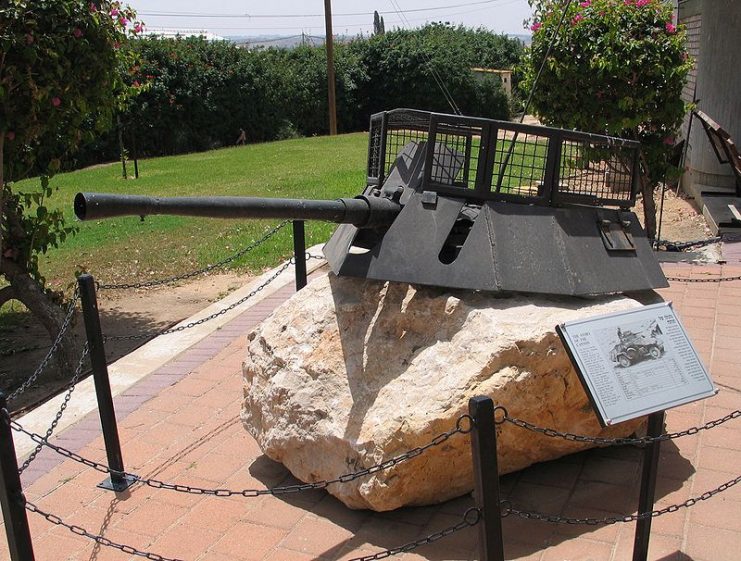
x=199, y=94
x=616, y=67
x=396, y=70
x=59, y=82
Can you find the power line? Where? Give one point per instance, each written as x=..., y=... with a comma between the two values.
x=406, y=22
x=438, y=79
x=294, y=16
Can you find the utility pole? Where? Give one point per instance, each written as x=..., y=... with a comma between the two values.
x=330, y=68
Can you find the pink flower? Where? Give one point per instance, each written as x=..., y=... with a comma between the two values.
x=534, y=27
x=56, y=102
x=123, y=21
x=77, y=32
x=114, y=12
x=670, y=27
x=10, y=135
x=669, y=140
x=138, y=28
x=136, y=83
x=585, y=4
x=577, y=18
x=641, y=3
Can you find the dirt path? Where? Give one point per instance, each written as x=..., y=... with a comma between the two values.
x=23, y=343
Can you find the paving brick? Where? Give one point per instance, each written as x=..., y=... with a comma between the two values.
x=545, y=498
x=712, y=544
x=660, y=547
x=555, y=474
x=720, y=459
x=578, y=549
x=316, y=536
x=249, y=542
x=151, y=518
x=182, y=542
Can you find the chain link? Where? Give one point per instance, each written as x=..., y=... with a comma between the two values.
x=555, y=519
x=470, y=518
x=504, y=417
x=60, y=412
x=169, y=280
x=463, y=425
x=192, y=324
x=709, y=279
x=680, y=246
x=102, y=540
x=53, y=349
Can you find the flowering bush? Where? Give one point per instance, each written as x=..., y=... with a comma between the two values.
x=59, y=70
x=617, y=67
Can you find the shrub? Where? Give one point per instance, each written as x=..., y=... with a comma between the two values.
x=59, y=83
x=617, y=67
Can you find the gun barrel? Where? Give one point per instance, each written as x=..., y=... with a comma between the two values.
x=359, y=211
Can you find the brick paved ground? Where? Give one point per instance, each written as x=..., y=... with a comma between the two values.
x=181, y=424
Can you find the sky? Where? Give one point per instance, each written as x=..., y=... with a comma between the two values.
x=349, y=17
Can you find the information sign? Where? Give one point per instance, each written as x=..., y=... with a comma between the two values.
x=635, y=362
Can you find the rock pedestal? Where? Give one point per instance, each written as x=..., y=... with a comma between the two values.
x=349, y=373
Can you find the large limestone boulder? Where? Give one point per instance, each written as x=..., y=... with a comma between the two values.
x=349, y=373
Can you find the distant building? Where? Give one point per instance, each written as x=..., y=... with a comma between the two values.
x=173, y=33
x=504, y=76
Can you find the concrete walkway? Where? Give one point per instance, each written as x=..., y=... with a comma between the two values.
x=180, y=424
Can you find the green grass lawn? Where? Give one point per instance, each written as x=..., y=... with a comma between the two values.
x=126, y=249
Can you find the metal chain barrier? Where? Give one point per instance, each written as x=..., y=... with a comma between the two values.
x=102, y=540
x=192, y=324
x=463, y=425
x=169, y=280
x=681, y=246
x=229, y=308
x=53, y=349
x=73, y=382
x=470, y=518
x=501, y=416
x=710, y=279
x=555, y=519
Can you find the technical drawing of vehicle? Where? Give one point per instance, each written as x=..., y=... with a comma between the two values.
x=634, y=347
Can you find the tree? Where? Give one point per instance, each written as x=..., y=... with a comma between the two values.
x=379, y=28
x=616, y=67
x=59, y=82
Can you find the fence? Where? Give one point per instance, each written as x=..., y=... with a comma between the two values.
x=481, y=423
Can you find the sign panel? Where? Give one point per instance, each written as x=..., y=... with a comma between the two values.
x=635, y=362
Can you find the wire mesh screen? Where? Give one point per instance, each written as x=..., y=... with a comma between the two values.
x=402, y=127
x=596, y=169
x=519, y=163
x=375, y=157
x=506, y=161
x=456, y=156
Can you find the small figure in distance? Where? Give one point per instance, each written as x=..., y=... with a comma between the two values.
x=242, y=137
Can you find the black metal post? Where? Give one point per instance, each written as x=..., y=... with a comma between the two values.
x=117, y=481
x=299, y=252
x=486, y=478
x=11, y=493
x=135, y=153
x=648, y=486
